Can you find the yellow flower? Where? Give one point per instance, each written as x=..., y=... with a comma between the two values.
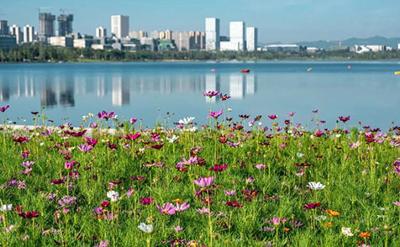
x=332, y=213
x=178, y=201
x=328, y=224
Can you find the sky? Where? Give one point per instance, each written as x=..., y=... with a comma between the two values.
x=277, y=20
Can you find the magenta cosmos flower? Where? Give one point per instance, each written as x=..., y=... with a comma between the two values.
x=396, y=165
x=344, y=119
x=106, y=115
x=204, y=182
x=4, y=108
x=272, y=116
x=216, y=114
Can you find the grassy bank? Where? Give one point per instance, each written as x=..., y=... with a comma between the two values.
x=214, y=185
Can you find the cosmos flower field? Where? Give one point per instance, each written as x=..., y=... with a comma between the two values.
x=231, y=182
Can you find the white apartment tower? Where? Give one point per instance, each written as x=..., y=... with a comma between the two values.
x=101, y=32
x=237, y=33
x=29, y=34
x=212, y=34
x=251, y=38
x=16, y=31
x=120, y=26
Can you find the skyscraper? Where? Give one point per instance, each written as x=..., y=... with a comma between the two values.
x=237, y=35
x=29, y=34
x=101, y=32
x=46, y=26
x=4, y=29
x=16, y=32
x=251, y=38
x=65, y=24
x=120, y=26
x=212, y=34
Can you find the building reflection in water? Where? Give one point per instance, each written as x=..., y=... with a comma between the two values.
x=61, y=89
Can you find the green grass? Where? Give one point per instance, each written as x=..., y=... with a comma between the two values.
x=360, y=184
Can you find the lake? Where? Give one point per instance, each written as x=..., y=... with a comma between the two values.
x=367, y=91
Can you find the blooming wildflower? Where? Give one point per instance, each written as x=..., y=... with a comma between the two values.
x=347, y=231
x=204, y=181
x=186, y=120
x=178, y=229
x=332, y=213
x=4, y=108
x=278, y=221
x=132, y=137
x=146, y=200
x=133, y=120
x=203, y=210
x=67, y=201
x=250, y=180
x=261, y=166
x=344, y=119
x=25, y=154
x=113, y=195
x=318, y=133
x=234, y=204
x=90, y=141
x=69, y=165
x=291, y=114
x=355, y=145
x=145, y=228
x=230, y=192
x=315, y=186
x=168, y=209
x=219, y=168
x=364, y=235
x=300, y=155
x=130, y=192
x=6, y=207
x=180, y=207
x=211, y=94
x=216, y=114
x=272, y=116
x=224, y=97
x=312, y=205
x=106, y=115
x=85, y=148
x=397, y=203
x=103, y=243
x=172, y=139
x=396, y=165
x=26, y=214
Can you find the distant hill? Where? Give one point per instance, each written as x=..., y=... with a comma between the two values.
x=376, y=40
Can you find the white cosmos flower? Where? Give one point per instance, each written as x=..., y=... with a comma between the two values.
x=315, y=186
x=300, y=155
x=347, y=231
x=145, y=228
x=186, y=120
x=6, y=207
x=113, y=195
x=172, y=139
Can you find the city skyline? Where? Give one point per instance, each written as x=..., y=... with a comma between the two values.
x=291, y=21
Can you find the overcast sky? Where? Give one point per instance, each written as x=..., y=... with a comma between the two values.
x=277, y=20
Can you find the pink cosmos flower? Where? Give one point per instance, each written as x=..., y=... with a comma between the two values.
x=397, y=203
x=133, y=137
x=318, y=133
x=180, y=207
x=203, y=210
x=106, y=115
x=396, y=165
x=216, y=114
x=133, y=120
x=90, y=141
x=261, y=166
x=230, y=192
x=85, y=148
x=178, y=229
x=277, y=221
x=167, y=209
x=211, y=94
x=69, y=165
x=204, y=181
x=146, y=200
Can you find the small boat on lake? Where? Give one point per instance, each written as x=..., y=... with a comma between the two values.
x=309, y=69
x=245, y=71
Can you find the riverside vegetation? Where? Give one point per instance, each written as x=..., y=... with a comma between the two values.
x=231, y=182
x=43, y=53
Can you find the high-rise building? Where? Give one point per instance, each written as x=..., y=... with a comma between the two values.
x=16, y=32
x=46, y=26
x=29, y=34
x=251, y=38
x=212, y=34
x=237, y=34
x=101, y=32
x=4, y=29
x=65, y=24
x=120, y=26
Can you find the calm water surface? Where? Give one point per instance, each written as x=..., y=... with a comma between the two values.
x=369, y=92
